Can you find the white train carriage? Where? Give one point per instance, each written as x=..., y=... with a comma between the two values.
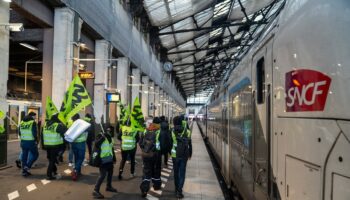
x=280, y=125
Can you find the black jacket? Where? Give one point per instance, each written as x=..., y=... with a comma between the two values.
x=165, y=138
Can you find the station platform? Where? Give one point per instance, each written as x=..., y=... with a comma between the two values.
x=201, y=181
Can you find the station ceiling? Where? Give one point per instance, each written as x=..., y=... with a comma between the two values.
x=206, y=39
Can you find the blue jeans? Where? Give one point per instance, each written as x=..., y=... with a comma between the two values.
x=179, y=173
x=70, y=155
x=79, y=155
x=29, y=154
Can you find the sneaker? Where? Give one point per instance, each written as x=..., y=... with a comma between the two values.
x=50, y=178
x=25, y=174
x=179, y=195
x=74, y=175
x=120, y=177
x=58, y=176
x=111, y=189
x=18, y=164
x=144, y=194
x=97, y=195
x=70, y=164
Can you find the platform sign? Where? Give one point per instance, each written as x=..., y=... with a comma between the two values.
x=113, y=97
x=86, y=75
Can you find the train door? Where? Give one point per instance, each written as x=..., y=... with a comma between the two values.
x=262, y=101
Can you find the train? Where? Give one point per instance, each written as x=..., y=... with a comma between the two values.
x=279, y=125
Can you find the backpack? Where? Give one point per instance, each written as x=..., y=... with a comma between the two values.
x=148, y=144
x=182, y=149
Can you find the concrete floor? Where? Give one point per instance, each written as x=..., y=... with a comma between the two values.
x=201, y=182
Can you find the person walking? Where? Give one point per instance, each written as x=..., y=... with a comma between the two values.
x=151, y=156
x=53, y=134
x=181, y=152
x=90, y=134
x=165, y=139
x=78, y=148
x=104, y=142
x=28, y=135
x=129, y=138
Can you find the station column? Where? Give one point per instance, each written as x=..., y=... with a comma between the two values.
x=144, y=100
x=122, y=79
x=136, y=82
x=151, y=98
x=102, y=49
x=62, y=53
x=4, y=55
x=47, y=69
x=156, y=100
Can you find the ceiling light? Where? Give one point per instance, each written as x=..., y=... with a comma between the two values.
x=8, y=1
x=15, y=27
x=29, y=46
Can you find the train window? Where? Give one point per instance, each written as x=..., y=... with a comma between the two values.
x=260, y=80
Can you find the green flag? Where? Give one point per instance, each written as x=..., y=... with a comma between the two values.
x=2, y=129
x=50, y=108
x=137, y=119
x=75, y=99
x=2, y=115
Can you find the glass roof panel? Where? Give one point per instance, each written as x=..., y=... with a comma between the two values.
x=251, y=6
x=163, y=12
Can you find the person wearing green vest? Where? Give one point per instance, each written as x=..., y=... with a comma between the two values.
x=28, y=135
x=52, y=137
x=78, y=148
x=181, y=151
x=129, y=137
x=151, y=156
x=104, y=142
x=90, y=133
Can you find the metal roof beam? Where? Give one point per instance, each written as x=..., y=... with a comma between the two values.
x=212, y=27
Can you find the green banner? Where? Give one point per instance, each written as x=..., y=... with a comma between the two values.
x=75, y=99
x=2, y=129
x=50, y=108
x=2, y=115
x=137, y=119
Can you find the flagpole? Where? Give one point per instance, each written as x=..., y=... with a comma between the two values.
x=95, y=113
x=14, y=123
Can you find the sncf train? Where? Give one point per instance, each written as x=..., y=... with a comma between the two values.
x=279, y=126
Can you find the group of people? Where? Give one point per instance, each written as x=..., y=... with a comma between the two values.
x=157, y=140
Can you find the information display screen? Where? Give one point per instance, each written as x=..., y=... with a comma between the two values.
x=113, y=97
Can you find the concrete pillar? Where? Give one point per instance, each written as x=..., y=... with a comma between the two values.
x=122, y=79
x=112, y=83
x=136, y=82
x=62, y=53
x=151, y=99
x=144, y=100
x=166, y=105
x=102, y=49
x=46, y=86
x=90, y=66
x=4, y=55
x=156, y=100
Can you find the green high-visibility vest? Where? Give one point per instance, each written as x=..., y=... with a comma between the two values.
x=174, y=138
x=26, y=129
x=51, y=136
x=128, y=138
x=107, y=149
x=184, y=124
x=83, y=136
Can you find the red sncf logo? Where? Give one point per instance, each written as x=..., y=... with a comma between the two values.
x=306, y=90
